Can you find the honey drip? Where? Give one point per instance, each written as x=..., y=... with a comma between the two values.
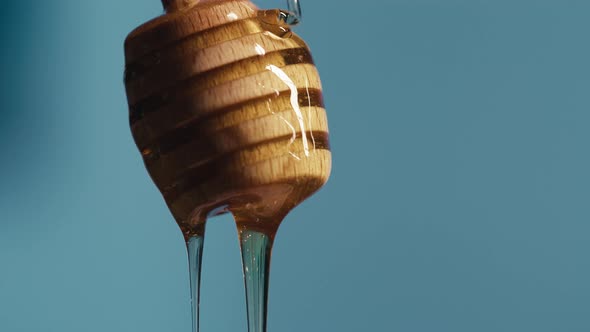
x=195, y=257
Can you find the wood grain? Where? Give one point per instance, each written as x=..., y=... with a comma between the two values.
x=225, y=112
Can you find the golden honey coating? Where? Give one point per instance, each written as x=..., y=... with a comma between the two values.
x=227, y=111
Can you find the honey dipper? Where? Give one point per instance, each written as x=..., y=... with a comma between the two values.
x=225, y=106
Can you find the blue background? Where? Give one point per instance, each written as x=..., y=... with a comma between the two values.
x=459, y=199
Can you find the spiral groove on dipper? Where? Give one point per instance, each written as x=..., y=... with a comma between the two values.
x=224, y=111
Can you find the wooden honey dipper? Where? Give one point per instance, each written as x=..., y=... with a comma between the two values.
x=225, y=105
